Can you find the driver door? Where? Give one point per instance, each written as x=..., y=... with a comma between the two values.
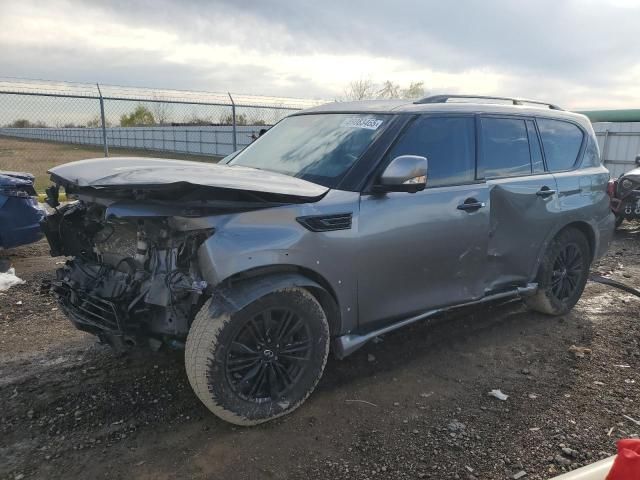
x=426, y=249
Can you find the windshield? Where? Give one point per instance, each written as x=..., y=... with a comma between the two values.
x=319, y=148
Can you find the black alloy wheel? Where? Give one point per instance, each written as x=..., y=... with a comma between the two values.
x=567, y=272
x=268, y=355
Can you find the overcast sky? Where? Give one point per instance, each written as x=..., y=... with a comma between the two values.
x=577, y=53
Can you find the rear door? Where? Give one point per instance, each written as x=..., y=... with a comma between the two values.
x=425, y=249
x=523, y=198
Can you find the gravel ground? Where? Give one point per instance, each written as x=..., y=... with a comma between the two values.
x=414, y=405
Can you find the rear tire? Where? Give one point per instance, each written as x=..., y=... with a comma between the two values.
x=562, y=274
x=263, y=361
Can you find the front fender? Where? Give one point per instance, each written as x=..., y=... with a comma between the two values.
x=274, y=239
x=231, y=298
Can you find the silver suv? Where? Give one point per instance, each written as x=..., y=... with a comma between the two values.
x=341, y=223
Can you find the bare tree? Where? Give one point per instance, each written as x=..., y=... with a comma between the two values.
x=160, y=110
x=96, y=122
x=389, y=90
x=362, y=89
x=415, y=90
x=365, y=89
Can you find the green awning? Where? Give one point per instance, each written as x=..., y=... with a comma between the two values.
x=613, y=115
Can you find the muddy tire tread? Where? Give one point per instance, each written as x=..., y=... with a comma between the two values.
x=201, y=344
x=541, y=300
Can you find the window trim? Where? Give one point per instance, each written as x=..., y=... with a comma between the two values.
x=579, y=157
x=537, y=133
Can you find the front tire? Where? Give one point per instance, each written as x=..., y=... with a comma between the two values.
x=563, y=273
x=261, y=362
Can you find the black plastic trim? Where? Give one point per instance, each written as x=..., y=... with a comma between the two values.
x=326, y=223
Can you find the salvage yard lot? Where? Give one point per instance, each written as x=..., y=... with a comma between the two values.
x=37, y=157
x=414, y=405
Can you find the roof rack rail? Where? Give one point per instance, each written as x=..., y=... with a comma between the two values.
x=515, y=101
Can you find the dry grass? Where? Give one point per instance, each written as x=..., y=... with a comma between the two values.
x=37, y=157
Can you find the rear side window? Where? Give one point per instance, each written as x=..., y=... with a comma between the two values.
x=504, y=148
x=561, y=142
x=447, y=142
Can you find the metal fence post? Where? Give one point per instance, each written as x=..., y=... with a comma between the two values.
x=233, y=119
x=104, y=124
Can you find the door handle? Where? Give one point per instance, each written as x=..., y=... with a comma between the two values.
x=471, y=204
x=545, y=192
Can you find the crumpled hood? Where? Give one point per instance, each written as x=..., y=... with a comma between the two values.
x=152, y=172
x=16, y=179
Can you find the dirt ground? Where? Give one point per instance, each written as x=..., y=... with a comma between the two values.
x=37, y=156
x=414, y=405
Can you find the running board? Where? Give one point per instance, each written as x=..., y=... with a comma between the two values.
x=347, y=344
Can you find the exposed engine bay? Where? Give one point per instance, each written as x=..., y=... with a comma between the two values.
x=130, y=281
x=133, y=276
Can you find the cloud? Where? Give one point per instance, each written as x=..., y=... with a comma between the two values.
x=578, y=53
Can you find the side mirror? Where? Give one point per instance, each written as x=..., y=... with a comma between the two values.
x=406, y=173
x=638, y=160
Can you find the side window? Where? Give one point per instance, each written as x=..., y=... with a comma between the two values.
x=447, y=142
x=504, y=148
x=561, y=142
x=534, y=146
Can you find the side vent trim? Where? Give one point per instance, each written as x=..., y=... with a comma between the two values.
x=326, y=223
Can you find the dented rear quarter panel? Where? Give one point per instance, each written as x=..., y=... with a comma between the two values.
x=583, y=198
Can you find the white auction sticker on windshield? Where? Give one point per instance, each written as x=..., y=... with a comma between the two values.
x=359, y=122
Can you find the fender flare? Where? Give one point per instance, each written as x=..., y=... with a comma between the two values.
x=229, y=299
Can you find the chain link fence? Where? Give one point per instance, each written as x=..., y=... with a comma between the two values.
x=43, y=124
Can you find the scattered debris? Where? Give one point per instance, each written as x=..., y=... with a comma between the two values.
x=579, y=352
x=519, y=475
x=469, y=469
x=598, y=383
x=371, y=358
x=610, y=431
x=426, y=395
x=498, y=394
x=377, y=339
x=569, y=452
x=560, y=460
x=623, y=365
x=614, y=283
x=9, y=279
x=533, y=396
x=631, y=419
x=456, y=426
x=361, y=401
x=534, y=429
